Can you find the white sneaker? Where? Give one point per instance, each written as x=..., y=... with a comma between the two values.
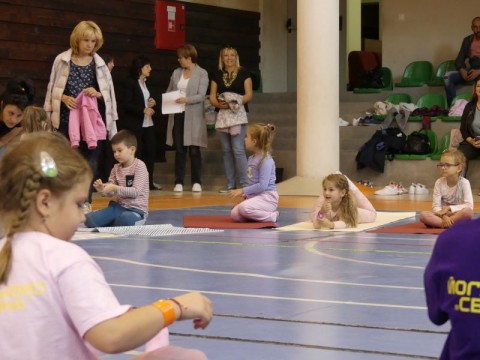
x=342, y=122
x=392, y=189
x=421, y=189
x=196, y=187
x=178, y=188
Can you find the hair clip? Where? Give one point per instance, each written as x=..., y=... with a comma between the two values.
x=47, y=165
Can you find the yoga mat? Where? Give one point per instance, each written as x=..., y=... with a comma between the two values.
x=140, y=230
x=410, y=228
x=383, y=218
x=222, y=222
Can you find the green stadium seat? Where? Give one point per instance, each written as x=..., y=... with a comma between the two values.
x=443, y=68
x=417, y=73
x=398, y=98
x=429, y=100
x=444, y=144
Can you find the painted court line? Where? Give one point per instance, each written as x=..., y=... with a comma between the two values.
x=269, y=297
x=253, y=275
x=311, y=248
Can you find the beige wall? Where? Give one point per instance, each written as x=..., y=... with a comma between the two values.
x=423, y=30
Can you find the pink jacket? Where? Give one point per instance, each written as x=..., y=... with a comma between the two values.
x=86, y=121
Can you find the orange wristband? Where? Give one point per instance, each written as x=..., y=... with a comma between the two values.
x=167, y=310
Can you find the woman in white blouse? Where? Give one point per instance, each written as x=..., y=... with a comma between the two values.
x=187, y=130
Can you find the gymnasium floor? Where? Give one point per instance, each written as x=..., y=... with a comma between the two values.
x=303, y=295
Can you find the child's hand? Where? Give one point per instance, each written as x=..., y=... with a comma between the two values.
x=445, y=210
x=326, y=224
x=109, y=189
x=98, y=185
x=197, y=307
x=327, y=209
x=446, y=221
x=235, y=192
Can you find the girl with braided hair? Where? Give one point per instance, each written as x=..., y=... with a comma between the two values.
x=260, y=195
x=341, y=205
x=53, y=285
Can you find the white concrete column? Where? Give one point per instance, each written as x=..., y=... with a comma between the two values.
x=317, y=96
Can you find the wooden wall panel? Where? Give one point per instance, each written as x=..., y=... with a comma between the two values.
x=33, y=32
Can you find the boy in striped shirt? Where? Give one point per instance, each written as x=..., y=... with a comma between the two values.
x=128, y=182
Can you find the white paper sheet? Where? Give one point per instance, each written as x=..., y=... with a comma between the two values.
x=169, y=106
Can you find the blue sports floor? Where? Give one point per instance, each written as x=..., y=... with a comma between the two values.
x=302, y=295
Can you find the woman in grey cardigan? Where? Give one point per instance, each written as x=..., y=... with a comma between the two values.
x=187, y=130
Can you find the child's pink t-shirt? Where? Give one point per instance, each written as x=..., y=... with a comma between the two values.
x=54, y=295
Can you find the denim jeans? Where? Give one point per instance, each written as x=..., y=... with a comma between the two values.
x=113, y=215
x=452, y=79
x=234, y=157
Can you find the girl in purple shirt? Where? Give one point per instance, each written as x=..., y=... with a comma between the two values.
x=261, y=197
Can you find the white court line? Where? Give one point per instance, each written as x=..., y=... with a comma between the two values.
x=311, y=248
x=254, y=296
x=253, y=275
x=391, y=236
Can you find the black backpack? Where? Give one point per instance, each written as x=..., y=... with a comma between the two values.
x=372, y=78
x=418, y=143
x=383, y=144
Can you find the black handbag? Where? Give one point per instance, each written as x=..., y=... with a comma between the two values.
x=417, y=144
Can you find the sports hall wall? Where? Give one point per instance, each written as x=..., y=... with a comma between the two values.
x=33, y=32
x=423, y=30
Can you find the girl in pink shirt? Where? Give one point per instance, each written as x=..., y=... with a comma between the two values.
x=452, y=194
x=54, y=300
x=341, y=205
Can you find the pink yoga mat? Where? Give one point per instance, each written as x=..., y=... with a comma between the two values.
x=222, y=222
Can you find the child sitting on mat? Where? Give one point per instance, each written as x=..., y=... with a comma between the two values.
x=260, y=195
x=53, y=285
x=128, y=181
x=452, y=194
x=341, y=205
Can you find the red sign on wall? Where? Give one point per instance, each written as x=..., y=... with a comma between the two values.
x=169, y=25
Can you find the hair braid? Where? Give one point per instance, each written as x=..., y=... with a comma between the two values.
x=30, y=188
x=29, y=191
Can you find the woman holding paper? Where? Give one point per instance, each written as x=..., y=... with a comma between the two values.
x=139, y=111
x=186, y=129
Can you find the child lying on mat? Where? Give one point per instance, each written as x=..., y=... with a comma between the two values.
x=261, y=197
x=452, y=194
x=341, y=205
x=128, y=181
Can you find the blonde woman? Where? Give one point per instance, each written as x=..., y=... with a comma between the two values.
x=80, y=70
x=230, y=91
